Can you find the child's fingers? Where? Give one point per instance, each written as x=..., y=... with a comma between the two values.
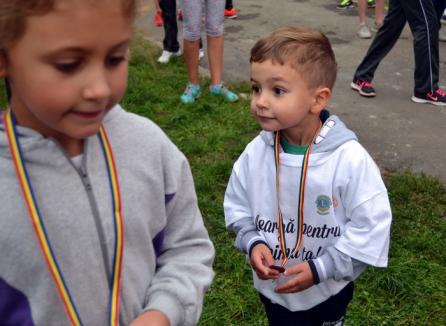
x=295, y=269
x=267, y=272
x=291, y=286
x=270, y=274
x=302, y=280
x=304, y=273
x=262, y=276
x=262, y=270
x=257, y=263
x=261, y=259
x=269, y=259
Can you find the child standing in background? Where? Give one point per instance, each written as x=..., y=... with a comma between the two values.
x=305, y=199
x=363, y=30
x=171, y=46
x=99, y=223
x=213, y=13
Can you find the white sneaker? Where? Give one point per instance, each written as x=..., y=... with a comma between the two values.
x=166, y=55
x=375, y=28
x=200, y=54
x=364, y=31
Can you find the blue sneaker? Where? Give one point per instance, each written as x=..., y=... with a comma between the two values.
x=191, y=93
x=220, y=89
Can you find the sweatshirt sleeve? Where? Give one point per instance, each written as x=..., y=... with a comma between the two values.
x=366, y=236
x=334, y=264
x=184, y=265
x=365, y=239
x=238, y=216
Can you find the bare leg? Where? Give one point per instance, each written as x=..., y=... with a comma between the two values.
x=191, y=55
x=362, y=7
x=379, y=12
x=215, y=56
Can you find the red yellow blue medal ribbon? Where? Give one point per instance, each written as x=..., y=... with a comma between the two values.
x=300, y=207
x=41, y=233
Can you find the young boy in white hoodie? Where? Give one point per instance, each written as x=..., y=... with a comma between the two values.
x=306, y=200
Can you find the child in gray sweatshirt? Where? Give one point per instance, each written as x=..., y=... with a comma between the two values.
x=99, y=222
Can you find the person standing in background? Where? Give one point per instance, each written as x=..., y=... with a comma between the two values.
x=213, y=12
x=423, y=23
x=230, y=11
x=363, y=30
x=171, y=46
x=440, y=6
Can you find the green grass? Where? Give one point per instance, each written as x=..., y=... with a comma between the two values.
x=212, y=134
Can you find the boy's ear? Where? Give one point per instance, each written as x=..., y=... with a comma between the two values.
x=321, y=98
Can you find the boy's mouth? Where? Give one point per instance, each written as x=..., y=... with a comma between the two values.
x=264, y=118
x=88, y=114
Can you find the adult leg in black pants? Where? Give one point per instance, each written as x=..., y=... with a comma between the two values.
x=439, y=6
x=422, y=19
x=171, y=46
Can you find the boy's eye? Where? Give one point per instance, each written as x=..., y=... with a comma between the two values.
x=67, y=67
x=279, y=91
x=115, y=60
x=255, y=89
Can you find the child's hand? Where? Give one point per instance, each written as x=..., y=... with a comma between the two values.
x=303, y=279
x=151, y=318
x=261, y=258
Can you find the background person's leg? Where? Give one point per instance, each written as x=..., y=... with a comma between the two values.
x=383, y=42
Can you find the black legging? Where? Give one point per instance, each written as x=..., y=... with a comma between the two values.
x=169, y=12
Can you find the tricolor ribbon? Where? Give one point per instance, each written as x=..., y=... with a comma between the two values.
x=300, y=207
x=42, y=235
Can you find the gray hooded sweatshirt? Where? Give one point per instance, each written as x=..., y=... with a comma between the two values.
x=167, y=258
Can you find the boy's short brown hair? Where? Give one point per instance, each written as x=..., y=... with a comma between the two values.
x=306, y=50
x=13, y=14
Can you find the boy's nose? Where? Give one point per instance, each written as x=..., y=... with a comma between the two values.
x=97, y=86
x=261, y=101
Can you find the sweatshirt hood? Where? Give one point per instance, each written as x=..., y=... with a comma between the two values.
x=29, y=138
x=332, y=134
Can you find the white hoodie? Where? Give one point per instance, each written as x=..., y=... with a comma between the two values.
x=347, y=213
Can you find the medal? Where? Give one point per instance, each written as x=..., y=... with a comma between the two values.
x=42, y=236
x=300, y=207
